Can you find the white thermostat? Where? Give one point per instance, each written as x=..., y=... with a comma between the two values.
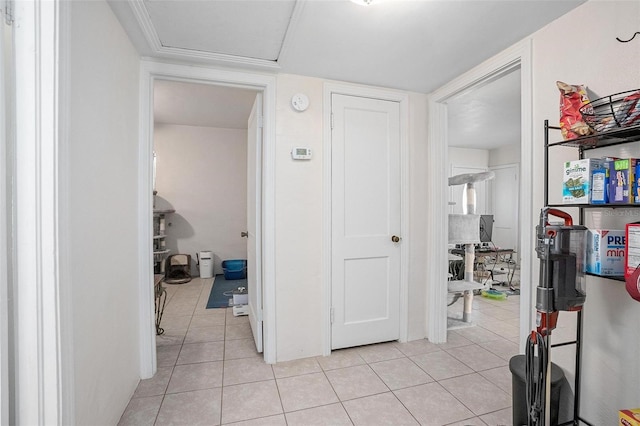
x=300, y=153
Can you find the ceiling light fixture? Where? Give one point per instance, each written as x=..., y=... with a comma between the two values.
x=365, y=2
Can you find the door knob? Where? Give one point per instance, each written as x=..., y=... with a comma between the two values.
x=395, y=239
x=244, y=234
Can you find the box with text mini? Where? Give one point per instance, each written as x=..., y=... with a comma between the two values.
x=605, y=252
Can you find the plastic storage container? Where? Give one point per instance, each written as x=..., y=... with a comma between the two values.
x=235, y=269
x=205, y=260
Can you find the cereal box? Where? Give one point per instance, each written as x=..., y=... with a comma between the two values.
x=621, y=180
x=605, y=252
x=576, y=182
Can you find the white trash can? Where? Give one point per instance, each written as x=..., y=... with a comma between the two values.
x=205, y=260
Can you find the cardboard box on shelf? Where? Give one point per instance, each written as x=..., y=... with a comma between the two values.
x=621, y=180
x=599, y=186
x=576, y=181
x=632, y=248
x=605, y=252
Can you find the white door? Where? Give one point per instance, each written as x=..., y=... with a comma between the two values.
x=455, y=202
x=505, y=199
x=365, y=197
x=254, y=220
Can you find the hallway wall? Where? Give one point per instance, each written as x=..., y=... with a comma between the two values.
x=102, y=199
x=299, y=221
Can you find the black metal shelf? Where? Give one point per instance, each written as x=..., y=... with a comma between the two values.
x=606, y=278
x=595, y=206
x=617, y=136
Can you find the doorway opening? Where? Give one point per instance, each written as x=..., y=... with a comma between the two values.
x=232, y=82
x=207, y=186
x=484, y=134
x=200, y=147
x=517, y=57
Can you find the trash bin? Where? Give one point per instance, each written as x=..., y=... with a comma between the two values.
x=519, y=392
x=205, y=260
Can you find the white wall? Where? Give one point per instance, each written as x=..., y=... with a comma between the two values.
x=299, y=222
x=418, y=211
x=201, y=172
x=611, y=371
x=102, y=200
x=509, y=154
x=468, y=157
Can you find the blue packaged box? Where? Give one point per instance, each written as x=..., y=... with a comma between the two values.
x=605, y=252
x=599, y=186
x=636, y=184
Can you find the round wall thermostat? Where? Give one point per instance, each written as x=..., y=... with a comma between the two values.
x=300, y=102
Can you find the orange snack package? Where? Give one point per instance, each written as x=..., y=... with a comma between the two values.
x=572, y=97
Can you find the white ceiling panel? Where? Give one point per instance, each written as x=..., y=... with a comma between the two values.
x=206, y=105
x=252, y=29
x=412, y=45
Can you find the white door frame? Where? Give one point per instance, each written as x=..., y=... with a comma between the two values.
x=518, y=55
x=149, y=71
x=7, y=111
x=43, y=374
x=388, y=95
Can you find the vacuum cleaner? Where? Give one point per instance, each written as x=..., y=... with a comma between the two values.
x=561, y=249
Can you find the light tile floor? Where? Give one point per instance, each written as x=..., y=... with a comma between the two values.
x=209, y=373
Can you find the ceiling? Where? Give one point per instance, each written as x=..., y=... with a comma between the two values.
x=205, y=105
x=414, y=45
x=488, y=117
x=411, y=45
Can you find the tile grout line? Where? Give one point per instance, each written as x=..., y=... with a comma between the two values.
x=365, y=362
x=392, y=391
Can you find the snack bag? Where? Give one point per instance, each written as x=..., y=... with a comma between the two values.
x=572, y=98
